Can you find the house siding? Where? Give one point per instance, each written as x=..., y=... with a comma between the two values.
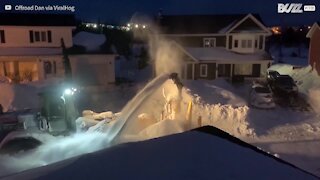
x=314, y=55
x=19, y=36
x=197, y=41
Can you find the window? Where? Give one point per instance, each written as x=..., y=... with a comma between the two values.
x=203, y=70
x=37, y=36
x=256, y=43
x=236, y=42
x=40, y=36
x=224, y=70
x=249, y=44
x=244, y=43
x=2, y=38
x=50, y=67
x=243, y=69
x=209, y=42
x=43, y=36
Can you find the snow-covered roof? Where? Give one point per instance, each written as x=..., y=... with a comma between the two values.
x=90, y=41
x=13, y=51
x=222, y=54
x=204, y=154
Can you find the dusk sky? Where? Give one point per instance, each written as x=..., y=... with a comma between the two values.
x=120, y=11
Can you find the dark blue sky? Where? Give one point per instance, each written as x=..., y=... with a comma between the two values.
x=120, y=11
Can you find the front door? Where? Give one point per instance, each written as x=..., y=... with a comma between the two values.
x=224, y=70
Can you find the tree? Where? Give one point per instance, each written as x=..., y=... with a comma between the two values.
x=66, y=62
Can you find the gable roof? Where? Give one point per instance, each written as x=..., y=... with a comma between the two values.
x=249, y=23
x=202, y=24
x=313, y=28
x=222, y=54
x=19, y=19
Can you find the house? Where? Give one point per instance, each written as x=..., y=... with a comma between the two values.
x=314, y=47
x=31, y=50
x=219, y=46
x=30, y=45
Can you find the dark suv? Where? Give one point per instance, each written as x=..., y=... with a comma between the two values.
x=272, y=76
x=283, y=84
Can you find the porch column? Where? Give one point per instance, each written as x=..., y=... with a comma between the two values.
x=40, y=67
x=217, y=67
x=231, y=70
x=193, y=71
x=185, y=73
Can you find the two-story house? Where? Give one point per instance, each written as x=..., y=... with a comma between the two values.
x=314, y=47
x=31, y=50
x=30, y=45
x=219, y=45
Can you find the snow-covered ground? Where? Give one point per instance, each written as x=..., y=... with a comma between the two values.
x=291, y=135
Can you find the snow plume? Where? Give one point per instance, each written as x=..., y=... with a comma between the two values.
x=53, y=150
x=165, y=54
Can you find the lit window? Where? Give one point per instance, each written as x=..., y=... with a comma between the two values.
x=203, y=70
x=209, y=42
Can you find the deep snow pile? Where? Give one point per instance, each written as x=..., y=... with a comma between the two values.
x=231, y=118
x=18, y=96
x=227, y=117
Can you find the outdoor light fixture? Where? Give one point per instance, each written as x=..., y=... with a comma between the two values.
x=144, y=26
x=68, y=92
x=128, y=25
x=137, y=26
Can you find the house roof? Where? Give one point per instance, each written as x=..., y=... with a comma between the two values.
x=204, y=153
x=222, y=54
x=200, y=24
x=16, y=51
x=313, y=28
x=19, y=19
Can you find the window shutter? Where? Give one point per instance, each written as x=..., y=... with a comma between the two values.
x=3, y=40
x=49, y=36
x=31, y=36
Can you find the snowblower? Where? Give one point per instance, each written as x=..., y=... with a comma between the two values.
x=57, y=114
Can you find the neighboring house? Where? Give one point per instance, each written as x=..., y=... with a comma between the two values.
x=314, y=47
x=30, y=45
x=219, y=45
x=30, y=50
